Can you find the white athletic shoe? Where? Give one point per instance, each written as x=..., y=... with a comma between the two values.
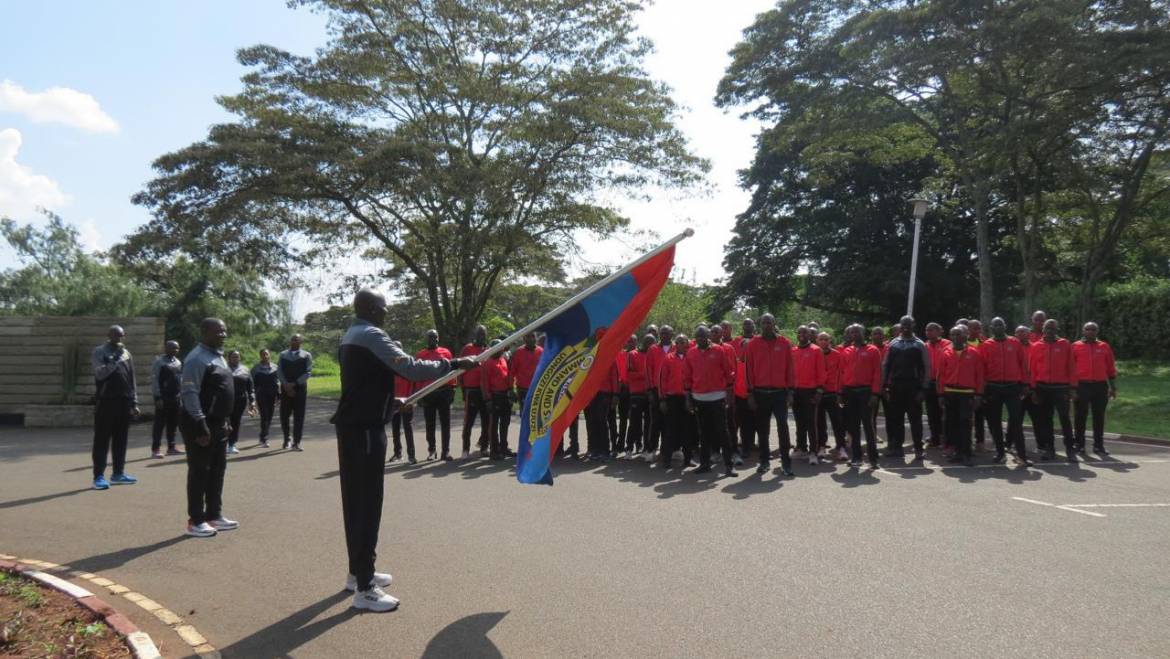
x=627, y=455
x=381, y=580
x=842, y=454
x=232, y=449
x=374, y=599
x=812, y=459
x=432, y=456
x=648, y=456
x=224, y=524
x=466, y=455
x=201, y=530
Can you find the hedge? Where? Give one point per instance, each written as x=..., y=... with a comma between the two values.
x=1132, y=315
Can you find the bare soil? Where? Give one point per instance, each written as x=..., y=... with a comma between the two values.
x=36, y=621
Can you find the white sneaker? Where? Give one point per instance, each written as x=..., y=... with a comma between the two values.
x=201, y=530
x=466, y=455
x=224, y=524
x=374, y=599
x=432, y=456
x=812, y=459
x=263, y=444
x=737, y=460
x=648, y=456
x=233, y=450
x=842, y=454
x=381, y=580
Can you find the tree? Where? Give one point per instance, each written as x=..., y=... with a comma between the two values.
x=59, y=278
x=464, y=140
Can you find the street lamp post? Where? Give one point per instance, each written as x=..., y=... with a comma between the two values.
x=919, y=206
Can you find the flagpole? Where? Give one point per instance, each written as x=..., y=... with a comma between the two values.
x=563, y=307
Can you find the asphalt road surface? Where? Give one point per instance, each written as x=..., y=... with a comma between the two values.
x=622, y=560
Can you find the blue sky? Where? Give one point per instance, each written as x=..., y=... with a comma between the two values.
x=140, y=79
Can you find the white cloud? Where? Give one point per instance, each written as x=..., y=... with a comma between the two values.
x=56, y=105
x=90, y=236
x=22, y=191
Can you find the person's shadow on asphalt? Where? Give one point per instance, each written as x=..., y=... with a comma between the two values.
x=466, y=637
x=289, y=633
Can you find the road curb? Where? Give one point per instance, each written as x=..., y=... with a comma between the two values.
x=138, y=640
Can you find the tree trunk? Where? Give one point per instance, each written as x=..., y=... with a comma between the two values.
x=983, y=249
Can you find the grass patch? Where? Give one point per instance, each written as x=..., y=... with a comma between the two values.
x=1143, y=400
x=326, y=380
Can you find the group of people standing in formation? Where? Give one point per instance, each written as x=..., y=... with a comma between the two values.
x=670, y=399
x=666, y=399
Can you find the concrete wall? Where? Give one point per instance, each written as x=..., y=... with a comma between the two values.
x=45, y=372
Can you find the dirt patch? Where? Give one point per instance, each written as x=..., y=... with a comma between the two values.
x=36, y=621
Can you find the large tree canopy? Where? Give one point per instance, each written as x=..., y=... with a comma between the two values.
x=459, y=142
x=1047, y=114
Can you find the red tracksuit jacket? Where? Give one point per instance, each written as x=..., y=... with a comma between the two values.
x=861, y=367
x=1005, y=361
x=638, y=371
x=832, y=370
x=671, y=375
x=494, y=378
x=810, y=366
x=1094, y=361
x=770, y=364
x=707, y=370
x=962, y=369
x=936, y=351
x=523, y=366
x=434, y=355
x=1052, y=363
x=474, y=377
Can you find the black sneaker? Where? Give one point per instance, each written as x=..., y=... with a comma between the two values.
x=1100, y=450
x=1025, y=462
x=999, y=458
x=895, y=453
x=1072, y=458
x=447, y=458
x=286, y=444
x=701, y=469
x=395, y=458
x=919, y=454
x=787, y=471
x=969, y=462
x=763, y=468
x=412, y=460
x=730, y=473
x=496, y=456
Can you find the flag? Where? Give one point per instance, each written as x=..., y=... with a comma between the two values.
x=580, y=346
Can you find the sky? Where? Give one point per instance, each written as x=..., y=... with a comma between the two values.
x=91, y=93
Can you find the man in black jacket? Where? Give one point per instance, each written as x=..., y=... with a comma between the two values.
x=369, y=362
x=207, y=394
x=115, y=404
x=905, y=379
x=164, y=384
x=267, y=386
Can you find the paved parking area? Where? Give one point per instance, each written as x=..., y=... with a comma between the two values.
x=621, y=560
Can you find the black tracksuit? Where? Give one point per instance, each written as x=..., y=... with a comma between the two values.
x=166, y=401
x=293, y=368
x=267, y=388
x=369, y=362
x=208, y=395
x=114, y=400
x=245, y=396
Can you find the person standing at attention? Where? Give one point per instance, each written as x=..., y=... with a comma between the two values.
x=164, y=385
x=267, y=389
x=115, y=404
x=294, y=367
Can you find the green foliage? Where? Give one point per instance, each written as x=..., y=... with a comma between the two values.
x=59, y=278
x=458, y=142
x=1130, y=314
x=681, y=306
x=1038, y=128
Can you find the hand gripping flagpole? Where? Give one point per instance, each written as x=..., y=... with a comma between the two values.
x=543, y=320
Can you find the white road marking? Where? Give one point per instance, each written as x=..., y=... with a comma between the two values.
x=1053, y=505
x=1117, y=505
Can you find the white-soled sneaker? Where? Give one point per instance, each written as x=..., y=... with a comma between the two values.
x=648, y=456
x=200, y=530
x=812, y=459
x=737, y=460
x=374, y=599
x=224, y=524
x=381, y=580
